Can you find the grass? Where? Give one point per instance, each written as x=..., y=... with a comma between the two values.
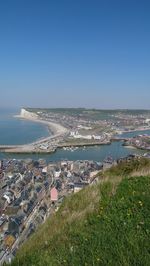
x=104, y=224
x=139, y=166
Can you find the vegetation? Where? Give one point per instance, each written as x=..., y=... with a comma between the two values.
x=137, y=166
x=93, y=114
x=104, y=224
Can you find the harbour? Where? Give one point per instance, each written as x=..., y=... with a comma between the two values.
x=96, y=153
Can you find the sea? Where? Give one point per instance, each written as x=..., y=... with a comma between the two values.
x=19, y=131
x=16, y=131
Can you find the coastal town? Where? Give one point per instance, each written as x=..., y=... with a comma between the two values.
x=31, y=191
x=74, y=133
x=73, y=128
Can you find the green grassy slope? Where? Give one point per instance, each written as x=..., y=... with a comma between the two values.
x=104, y=224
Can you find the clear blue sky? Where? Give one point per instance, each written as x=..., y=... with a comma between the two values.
x=75, y=53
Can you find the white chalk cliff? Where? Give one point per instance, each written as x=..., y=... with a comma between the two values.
x=26, y=114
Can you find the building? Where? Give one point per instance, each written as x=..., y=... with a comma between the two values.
x=54, y=194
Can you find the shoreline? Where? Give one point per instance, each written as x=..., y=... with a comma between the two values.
x=53, y=128
x=56, y=130
x=47, y=145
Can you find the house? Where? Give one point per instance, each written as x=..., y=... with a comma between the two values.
x=57, y=174
x=54, y=194
x=44, y=170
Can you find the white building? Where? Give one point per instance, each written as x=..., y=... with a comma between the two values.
x=76, y=135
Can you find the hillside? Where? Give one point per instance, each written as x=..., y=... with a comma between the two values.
x=104, y=224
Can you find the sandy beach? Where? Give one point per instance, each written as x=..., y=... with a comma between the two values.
x=54, y=128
